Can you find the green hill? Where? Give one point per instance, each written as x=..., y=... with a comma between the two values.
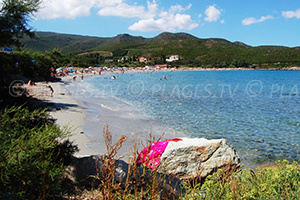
x=192, y=50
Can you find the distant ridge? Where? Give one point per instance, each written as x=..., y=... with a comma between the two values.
x=190, y=49
x=241, y=43
x=164, y=37
x=69, y=43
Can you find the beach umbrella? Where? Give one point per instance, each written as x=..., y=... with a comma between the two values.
x=150, y=156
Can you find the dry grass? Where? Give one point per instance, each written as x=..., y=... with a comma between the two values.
x=140, y=182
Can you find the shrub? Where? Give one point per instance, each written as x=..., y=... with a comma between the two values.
x=280, y=182
x=31, y=155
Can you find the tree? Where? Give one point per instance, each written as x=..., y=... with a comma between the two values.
x=14, y=18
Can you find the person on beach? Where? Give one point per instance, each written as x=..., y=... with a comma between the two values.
x=30, y=83
x=51, y=90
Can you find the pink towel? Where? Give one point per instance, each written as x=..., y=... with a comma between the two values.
x=150, y=156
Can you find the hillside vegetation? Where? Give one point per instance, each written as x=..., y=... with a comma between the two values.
x=213, y=52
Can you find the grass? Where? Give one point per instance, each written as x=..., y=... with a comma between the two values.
x=279, y=182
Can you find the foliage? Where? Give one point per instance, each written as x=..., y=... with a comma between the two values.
x=31, y=155
x=31, y=65
x=280, y=182
x=14, y=17
x=193, y=51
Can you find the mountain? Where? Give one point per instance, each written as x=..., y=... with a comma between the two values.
x=190, y=48
x=69, y=43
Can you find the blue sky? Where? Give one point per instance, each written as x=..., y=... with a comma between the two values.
x=255, y=22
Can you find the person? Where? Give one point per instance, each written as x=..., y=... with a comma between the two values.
x=74, y=78
x=30, y=83
x=165, y=77
x=51, y=90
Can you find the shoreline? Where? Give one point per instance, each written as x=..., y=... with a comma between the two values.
x=67, y=109
x=70, y=111
x=64, y=109
x=120, y=119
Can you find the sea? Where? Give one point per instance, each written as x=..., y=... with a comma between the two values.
x=256, y=111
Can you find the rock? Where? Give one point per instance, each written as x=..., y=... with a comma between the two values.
x=196, y=158
x=88, y=171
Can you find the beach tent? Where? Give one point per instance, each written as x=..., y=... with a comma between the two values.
x=150, y=156
x=71, y=69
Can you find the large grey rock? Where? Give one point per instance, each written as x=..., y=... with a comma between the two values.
x=196, y=158
x=88, y=171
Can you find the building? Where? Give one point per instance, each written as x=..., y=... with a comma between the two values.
x=124, y=58
x=143, y=59
x=172, y=58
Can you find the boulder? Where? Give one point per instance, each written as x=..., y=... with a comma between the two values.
x=196, y=158
x=88, y=171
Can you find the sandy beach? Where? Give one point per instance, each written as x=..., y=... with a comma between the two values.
x=65, y=109
x=72, y=113
x=69, y=112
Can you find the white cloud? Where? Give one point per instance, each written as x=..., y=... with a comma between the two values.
x=150, y=17
x=252, y=20
x=291, y=14
x=166, y=22
x=212, y=13
x=70, y=9
x=125, y=10
x=222, y=21
x=179, y=8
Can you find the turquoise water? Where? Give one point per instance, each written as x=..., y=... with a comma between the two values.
x=257, y=112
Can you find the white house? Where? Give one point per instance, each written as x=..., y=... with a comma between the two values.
x=172, y=58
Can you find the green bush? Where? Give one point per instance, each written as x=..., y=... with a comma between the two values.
x=31, y=155
x=279, y=182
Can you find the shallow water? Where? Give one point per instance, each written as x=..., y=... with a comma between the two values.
x=257, y=112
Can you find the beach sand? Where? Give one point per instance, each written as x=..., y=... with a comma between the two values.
x=69, y=112
x=65, y=109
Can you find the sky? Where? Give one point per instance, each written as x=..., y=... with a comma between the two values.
x=253, y=22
